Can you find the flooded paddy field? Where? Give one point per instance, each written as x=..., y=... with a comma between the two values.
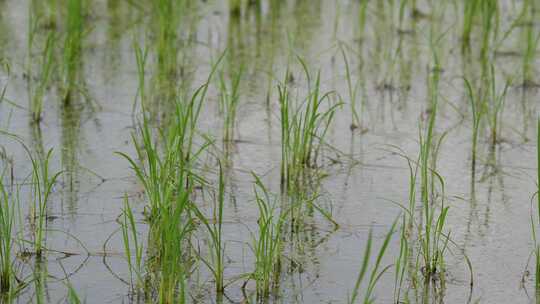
x=269, y=151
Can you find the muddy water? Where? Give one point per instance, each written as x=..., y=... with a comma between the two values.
x=489, y=217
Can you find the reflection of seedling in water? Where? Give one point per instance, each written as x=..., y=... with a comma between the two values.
x=167, y=15
x=47, y=62
x=235, y=8
x=72, y=47
x=469, y=12
x=488, y=12
x=490, y=26
x=362, y=16
x=531, y=38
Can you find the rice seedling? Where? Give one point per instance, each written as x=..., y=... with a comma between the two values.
x=432, y=238
x=433, y=241
x=267, y=245
x=47, y=68
x=303, y=129
x=42, y=184
x=402, y=260
x=478, y=108
x=536, y=222
x=353, y=90
x=216, y=263
x=39, y=278
x=162, y=172
x=170, y=224
x=8, y=205
x=496, y=105
x=167, y=166
x=422, y=258
x=377, y=270
x=141, y=55
x=133, y=247
x=72, y=296
x=229, y=98
x=169, y=237
x=166, y=266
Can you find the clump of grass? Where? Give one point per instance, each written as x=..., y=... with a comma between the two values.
x=166, y=169
x=169, y=237
x=376, y=272
x=166, y=265
x=168, y=182
x=303, y=129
